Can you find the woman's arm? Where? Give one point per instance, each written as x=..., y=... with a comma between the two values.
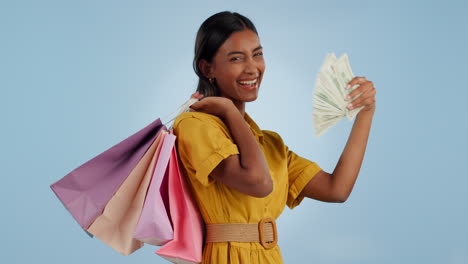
x=247, y=172
x=337, y=187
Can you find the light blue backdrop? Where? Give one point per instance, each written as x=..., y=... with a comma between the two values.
x=79, y=76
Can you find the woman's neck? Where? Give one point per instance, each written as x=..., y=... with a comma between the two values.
x=240, y=106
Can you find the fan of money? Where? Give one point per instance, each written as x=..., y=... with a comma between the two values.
x=329, y=104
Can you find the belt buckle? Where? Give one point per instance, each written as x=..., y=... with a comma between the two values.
x=267, y=244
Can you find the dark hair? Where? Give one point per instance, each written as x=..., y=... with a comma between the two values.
x=212, y=34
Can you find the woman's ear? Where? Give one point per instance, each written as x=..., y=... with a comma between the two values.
x=205, y=68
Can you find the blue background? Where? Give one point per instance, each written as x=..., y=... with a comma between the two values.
x=77, y=77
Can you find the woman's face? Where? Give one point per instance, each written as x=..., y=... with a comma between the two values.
x=238, y=67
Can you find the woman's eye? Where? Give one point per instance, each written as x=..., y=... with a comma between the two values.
x=258, y=54
x=235, y=58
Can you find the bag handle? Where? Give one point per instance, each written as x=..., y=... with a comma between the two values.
x=182, y=109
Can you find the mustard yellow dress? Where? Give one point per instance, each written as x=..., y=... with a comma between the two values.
x=203, y=141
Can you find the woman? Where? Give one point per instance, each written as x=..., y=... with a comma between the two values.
x=242, y=176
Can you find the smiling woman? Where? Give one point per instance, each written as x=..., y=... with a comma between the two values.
x=242, y=176
x=237, y=68
x=224, y=40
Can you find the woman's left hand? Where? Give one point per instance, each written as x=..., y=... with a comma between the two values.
x=367, y=91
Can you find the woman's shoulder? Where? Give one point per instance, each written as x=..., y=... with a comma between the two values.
x=197, y=119
x=271, y=133
x=273, y=137
x=267, y=134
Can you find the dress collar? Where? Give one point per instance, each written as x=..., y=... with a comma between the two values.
x=254, y=127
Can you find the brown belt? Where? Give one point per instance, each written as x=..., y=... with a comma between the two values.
x=263, y=232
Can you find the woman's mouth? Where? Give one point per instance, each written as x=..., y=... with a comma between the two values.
x=249, y=84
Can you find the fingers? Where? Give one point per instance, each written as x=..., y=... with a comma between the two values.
x=366, y=99
x=361, y=89
x=197, y=95
x=201, y=104
x=366, y=92
x=195, y=106
x=356, y=81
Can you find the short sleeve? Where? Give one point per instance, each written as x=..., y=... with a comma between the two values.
x=300, y=172
x=203, y=141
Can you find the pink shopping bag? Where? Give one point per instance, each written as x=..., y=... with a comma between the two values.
x=186, y=246
x=117, y=223
x=86, y=190
x=154, y=226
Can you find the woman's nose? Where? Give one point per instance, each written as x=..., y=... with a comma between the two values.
x=251, y=67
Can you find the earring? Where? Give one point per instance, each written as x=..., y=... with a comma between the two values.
x=211, y=80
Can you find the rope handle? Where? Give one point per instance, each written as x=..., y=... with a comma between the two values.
x=182, y=109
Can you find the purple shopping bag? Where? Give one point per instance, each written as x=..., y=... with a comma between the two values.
x=116, y=224
x=154, y=226
x=86, y=190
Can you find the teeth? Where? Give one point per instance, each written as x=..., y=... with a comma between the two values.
x=248, y=82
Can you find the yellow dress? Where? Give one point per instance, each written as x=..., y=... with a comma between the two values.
x=203, y=141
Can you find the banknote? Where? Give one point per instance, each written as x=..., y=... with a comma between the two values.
x=329, y=103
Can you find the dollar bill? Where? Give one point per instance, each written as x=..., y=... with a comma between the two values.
x=329, y=103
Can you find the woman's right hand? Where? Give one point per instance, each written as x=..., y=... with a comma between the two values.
x=214, y=105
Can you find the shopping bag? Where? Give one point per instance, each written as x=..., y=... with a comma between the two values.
x=86, y=190
x=154, y=226
x=118, y=221
x=186, y=246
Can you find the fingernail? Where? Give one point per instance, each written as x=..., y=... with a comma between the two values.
x=348, y=86
x=350, y=106
x=347, y=97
